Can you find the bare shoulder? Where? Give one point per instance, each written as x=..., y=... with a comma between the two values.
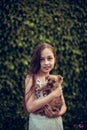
x=28, y=80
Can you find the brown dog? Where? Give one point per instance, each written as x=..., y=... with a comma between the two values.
x=53, y=82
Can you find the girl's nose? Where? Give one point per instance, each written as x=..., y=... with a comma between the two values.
x=46, y=61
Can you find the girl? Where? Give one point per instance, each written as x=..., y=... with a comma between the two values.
x=42, y=63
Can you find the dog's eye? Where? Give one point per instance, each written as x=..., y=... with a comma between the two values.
x=54, y=81
x=48, y=79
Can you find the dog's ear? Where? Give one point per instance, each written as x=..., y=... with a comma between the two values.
x=60, y=78
x=47, y=77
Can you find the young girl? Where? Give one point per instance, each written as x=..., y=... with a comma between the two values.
x=42, y=63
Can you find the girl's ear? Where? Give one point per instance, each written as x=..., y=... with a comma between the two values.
x=55, y=62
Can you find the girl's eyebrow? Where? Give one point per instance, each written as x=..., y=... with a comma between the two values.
x=47, y=57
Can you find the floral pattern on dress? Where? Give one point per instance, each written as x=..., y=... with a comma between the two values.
x=39, y=94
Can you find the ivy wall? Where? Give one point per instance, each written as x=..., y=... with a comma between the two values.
x=24, y=24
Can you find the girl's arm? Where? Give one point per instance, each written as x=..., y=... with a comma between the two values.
x=33, y=104
x=63, y=108
x=50, y=113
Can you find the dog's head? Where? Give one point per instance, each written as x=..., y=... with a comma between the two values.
x=54, y=80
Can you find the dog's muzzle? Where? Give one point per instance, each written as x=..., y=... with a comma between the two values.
x=50, y=85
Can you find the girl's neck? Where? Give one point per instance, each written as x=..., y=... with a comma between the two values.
x=41, y=76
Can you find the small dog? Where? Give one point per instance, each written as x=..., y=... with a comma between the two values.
x=53, y=82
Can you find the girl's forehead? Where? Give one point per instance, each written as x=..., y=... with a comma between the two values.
x=47, y=52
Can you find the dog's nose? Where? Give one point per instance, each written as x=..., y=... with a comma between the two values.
x=50, y=85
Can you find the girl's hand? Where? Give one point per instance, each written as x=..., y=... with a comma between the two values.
x=57, y=92
x=50, y=113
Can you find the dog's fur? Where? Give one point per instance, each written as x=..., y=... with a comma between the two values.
x=53, y=82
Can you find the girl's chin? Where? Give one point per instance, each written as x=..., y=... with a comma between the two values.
x=46, y=71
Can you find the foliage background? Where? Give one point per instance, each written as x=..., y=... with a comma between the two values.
x=24, y=24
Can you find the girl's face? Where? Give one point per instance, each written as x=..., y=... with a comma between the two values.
x=47, y=60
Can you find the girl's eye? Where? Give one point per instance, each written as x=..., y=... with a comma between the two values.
x=50, y=58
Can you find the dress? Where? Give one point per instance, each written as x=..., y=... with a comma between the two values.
x=41, y=122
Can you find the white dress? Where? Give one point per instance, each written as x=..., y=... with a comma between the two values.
x=41, y=122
